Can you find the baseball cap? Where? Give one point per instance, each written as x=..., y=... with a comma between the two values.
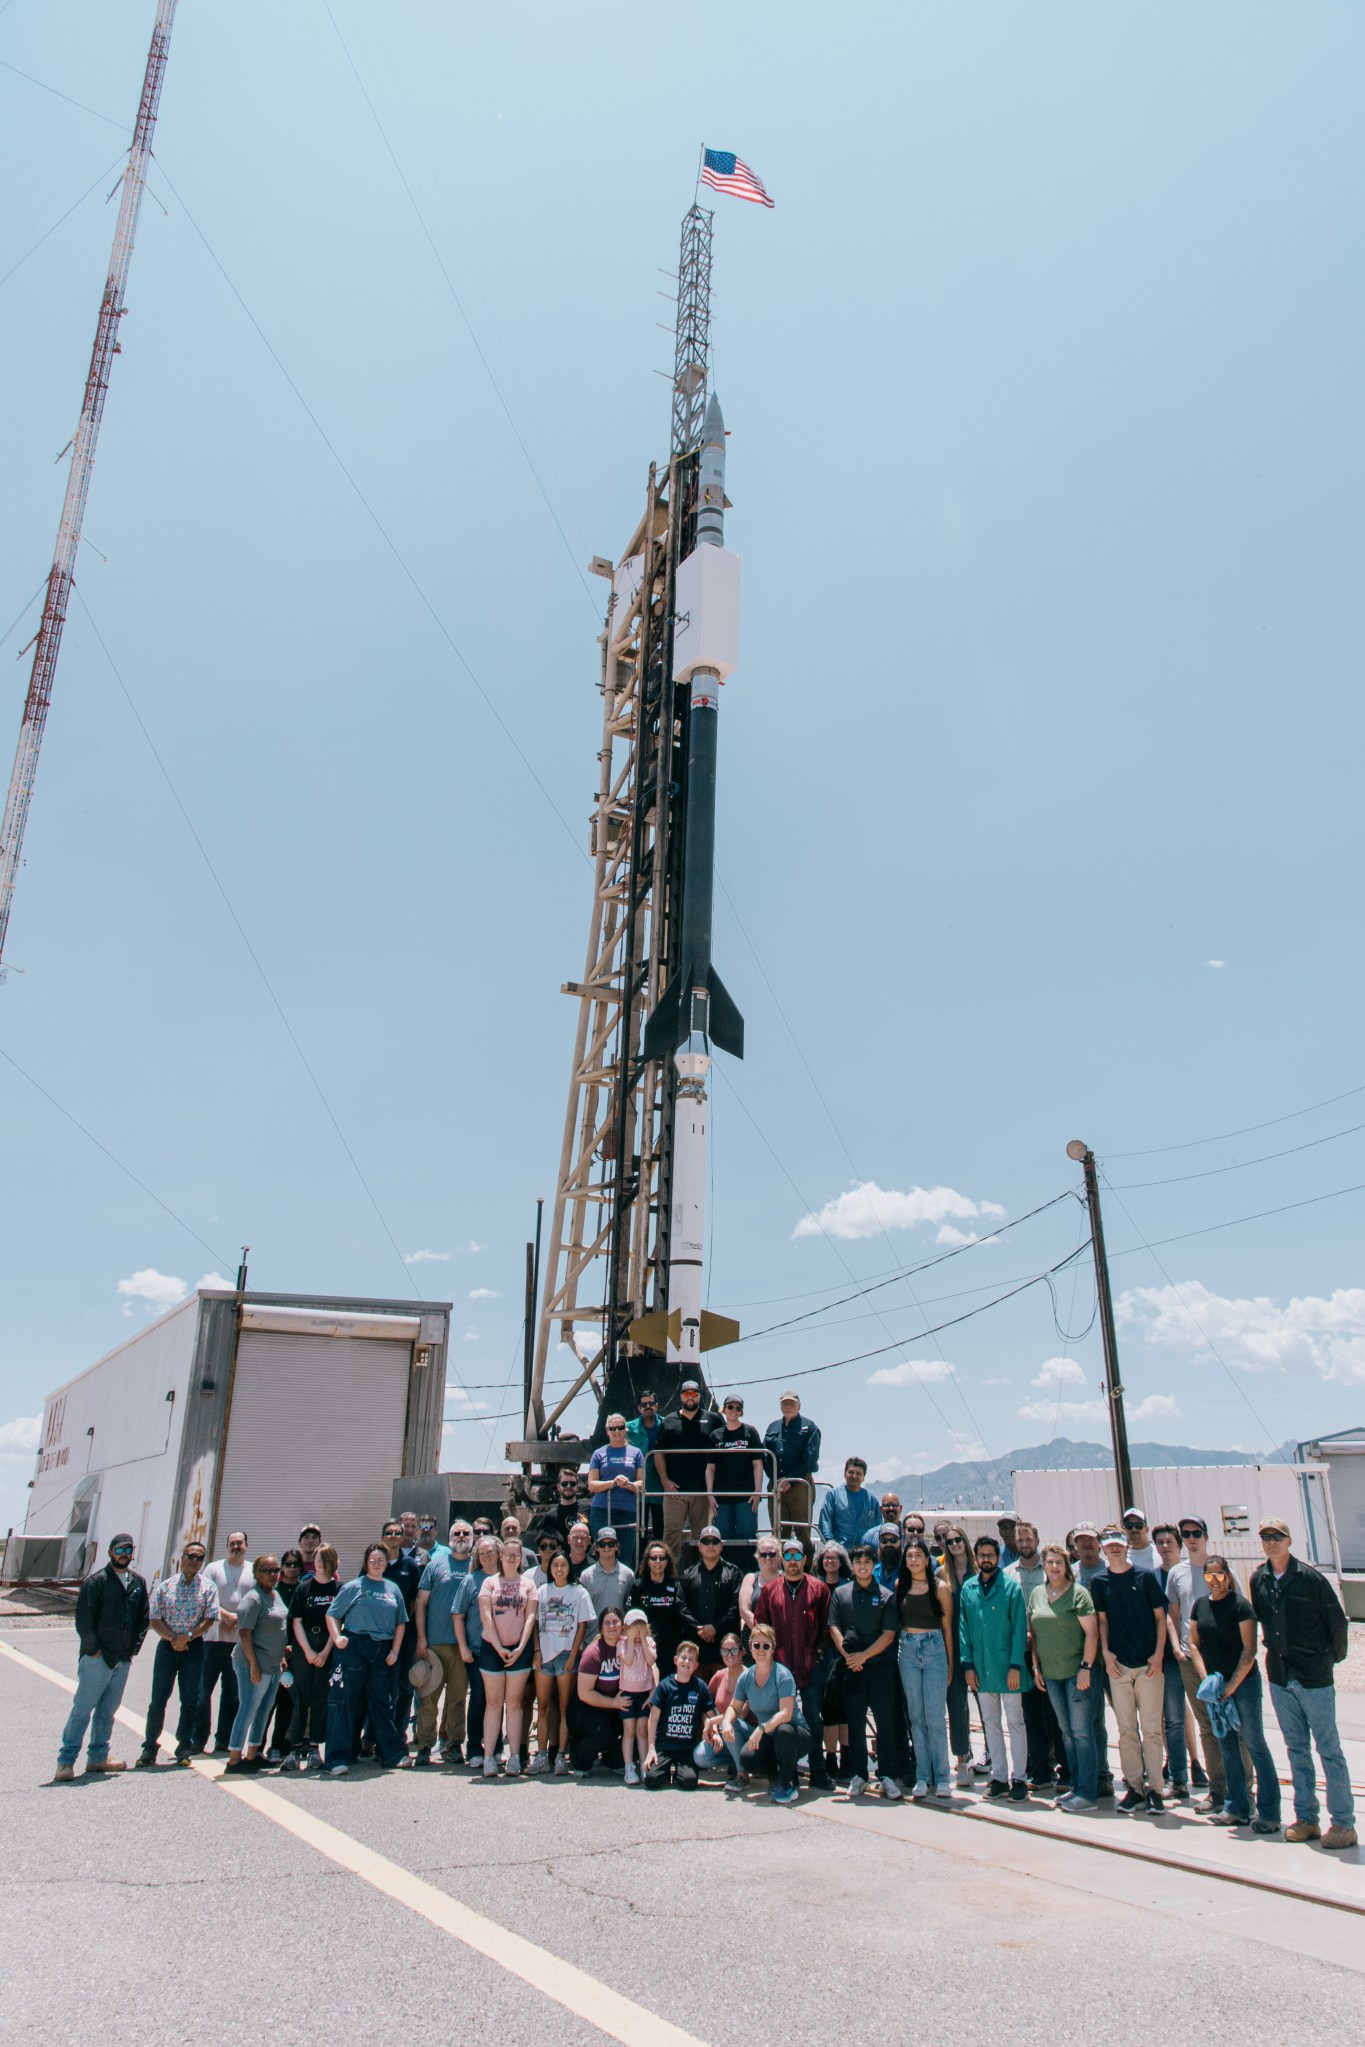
x=793, y=1547
x=310, y=1528
x=710, y=1533
x=1085, y=1528
x=607, y=1540
x=690, y=1386
x=636, y=1613
x=1135, y=1516
x=1275, y=1527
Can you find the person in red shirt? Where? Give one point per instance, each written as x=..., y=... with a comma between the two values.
x=796, y=1607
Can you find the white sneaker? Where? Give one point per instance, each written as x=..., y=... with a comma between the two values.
x=963, y=1779
x=561, y=1765
x=490, y=1766
x=632, y=1774
x=857, y=1786
x=513, y=1765
x=539, y=1764
x=891, y=1789
x=921, y=1791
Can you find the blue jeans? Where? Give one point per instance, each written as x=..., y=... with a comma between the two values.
x=254, y=1702
x=1249, y=1703
x=476, y=1706
x=362, y=1681
x=1173, y=1715
x=1076, y=1719
x=1308, y=1714
x=172, y=1667
x=923, y=1661
x=217, y=1671
x=98, y=1693
x=1099, y=1726
x=811, y=1697
x=737, y=1522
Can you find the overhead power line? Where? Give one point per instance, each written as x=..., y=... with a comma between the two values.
x=92, y=187
x=1247, y=1129
x=1240, y=1165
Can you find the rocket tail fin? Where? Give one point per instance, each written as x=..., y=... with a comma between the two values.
x=666, y=1025
x=727, y=1025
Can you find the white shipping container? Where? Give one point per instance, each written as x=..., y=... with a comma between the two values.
x=1232, y=1498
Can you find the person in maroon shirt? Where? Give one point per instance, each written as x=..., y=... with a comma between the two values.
x=796, y=1608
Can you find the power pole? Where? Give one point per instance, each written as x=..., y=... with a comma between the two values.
x=1113, y=1385
x=47, y=644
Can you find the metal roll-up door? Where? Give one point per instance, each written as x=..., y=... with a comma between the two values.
x=315, y=1433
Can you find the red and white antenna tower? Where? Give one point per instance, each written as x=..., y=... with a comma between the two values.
x=47, y=645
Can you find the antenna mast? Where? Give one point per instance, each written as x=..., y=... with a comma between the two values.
x=47, y=644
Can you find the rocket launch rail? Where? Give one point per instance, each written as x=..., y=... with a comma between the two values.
x=623, y=1278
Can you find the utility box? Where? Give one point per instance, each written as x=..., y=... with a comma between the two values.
x=1232, y=1498
x=254, y=1411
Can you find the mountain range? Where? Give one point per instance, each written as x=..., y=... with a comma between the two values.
x=986, y=1482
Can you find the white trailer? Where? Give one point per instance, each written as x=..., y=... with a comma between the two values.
x=1232, y=1498
x=255, y=1411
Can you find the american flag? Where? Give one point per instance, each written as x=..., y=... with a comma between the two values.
x=723, y=171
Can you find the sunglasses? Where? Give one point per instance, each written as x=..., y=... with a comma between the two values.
x=709, y=1542
x=616, y=1428
x=121, y=1549
x=730, y=1649
x=956, y=1542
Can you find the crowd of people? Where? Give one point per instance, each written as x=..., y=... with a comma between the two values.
x=854, y=1647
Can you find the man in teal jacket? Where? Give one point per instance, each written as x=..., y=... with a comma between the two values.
x=993, y=1644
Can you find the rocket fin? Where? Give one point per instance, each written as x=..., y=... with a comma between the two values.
x=666, y=1025
x=727, y=1025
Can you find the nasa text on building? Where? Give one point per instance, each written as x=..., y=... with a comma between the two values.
x=257, y=1411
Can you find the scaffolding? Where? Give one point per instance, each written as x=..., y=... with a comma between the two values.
x=607, y=1257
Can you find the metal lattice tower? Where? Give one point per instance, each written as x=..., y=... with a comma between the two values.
x=47, y=644
x=607, y=1255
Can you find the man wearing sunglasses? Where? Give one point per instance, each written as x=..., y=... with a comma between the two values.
x=182, y=1610
x=796, y=1607
x=111, y=1626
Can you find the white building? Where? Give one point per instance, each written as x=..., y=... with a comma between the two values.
x=255, y=1411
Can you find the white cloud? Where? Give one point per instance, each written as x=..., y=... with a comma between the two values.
x=886, y=1468
x=159, y=1290
x=484, y=1293
x=949, y=1234
x=215, y=1279
x=1059, y=1372
x=426, y=1257
x=1156, y=1407
x=20, y=1438
x=913, y=1372
x=865, y=1210
x=995, y=1382
x=967, y=1449
x=1315, y=1334
x=470, y=1336
x=461, y=1406
x=1214, y=963
x=475, y=1245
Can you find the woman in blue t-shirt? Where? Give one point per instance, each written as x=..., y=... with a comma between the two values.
x=763, y=1728
x=376, y=1617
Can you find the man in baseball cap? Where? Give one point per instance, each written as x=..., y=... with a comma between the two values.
x=1132, y=1614
x=683, y=1449
x=111, y=1626
x=1305, y=1638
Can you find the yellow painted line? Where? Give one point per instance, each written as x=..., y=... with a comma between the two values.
x=619, y=2017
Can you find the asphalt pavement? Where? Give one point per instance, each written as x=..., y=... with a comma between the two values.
x=157, y=1908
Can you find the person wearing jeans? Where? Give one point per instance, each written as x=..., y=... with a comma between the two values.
x=262, y=1638
x=1223, y=1640
x=993, y=1645
x=182, y=1610
x=734, y=1481
x=1064, y=1640
x=111, y=1626
x=1166, y=1544
x=1132, y=1613
x=924, y=1608
x=230, y=1577
x=763, y=1728
x=376, y=1618
x=1184, y=1585
x=795, y=1606
x=1305, y=1636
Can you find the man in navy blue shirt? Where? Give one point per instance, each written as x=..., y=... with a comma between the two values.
x=405, y=1571
x=795, y=1446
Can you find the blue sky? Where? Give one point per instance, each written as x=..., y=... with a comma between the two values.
x=1039, y=778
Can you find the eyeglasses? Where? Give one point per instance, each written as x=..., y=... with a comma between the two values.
x=734, y=1407
x=730, y=1649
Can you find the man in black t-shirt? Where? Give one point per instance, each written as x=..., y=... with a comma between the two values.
x=677, y=1715
x=863, y=1628
x=1132, y=1614
x=310, y=1660
x=734, y=1482
x=682, y=1453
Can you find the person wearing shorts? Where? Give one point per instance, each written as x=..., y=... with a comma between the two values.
x=639, y=1678
x=507, y=1611
x=563, y=1612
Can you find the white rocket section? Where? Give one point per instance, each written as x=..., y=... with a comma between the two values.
x=687, y=1235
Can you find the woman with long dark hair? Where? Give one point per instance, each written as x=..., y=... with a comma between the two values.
x=657, y=1593
x=833, y=1566
x=926, y=1658
x=262, y=1637
x=563, y=1614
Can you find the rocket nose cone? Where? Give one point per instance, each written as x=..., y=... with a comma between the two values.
x=713, y=426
